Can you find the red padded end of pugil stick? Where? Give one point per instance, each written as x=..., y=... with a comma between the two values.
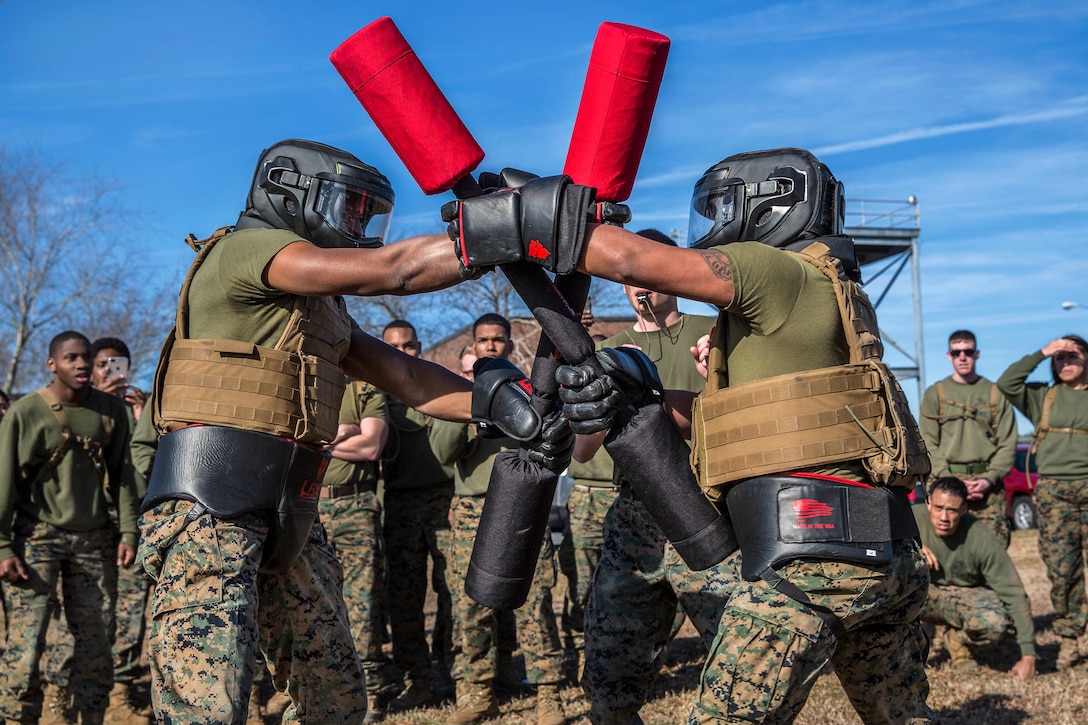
x=624, y=76
x=383, y=72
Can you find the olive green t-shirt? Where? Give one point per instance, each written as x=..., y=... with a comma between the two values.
x=408, y=463
x=71, y=495
x=670, y=351
x=361, y=400
x=784, y=318
x=471, y=456
x=229, y=298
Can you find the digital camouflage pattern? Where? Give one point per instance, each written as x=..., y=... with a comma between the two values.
x=88, y=560
x=976, y=613
x=587, y=508
x=417, y=527
x=770, y=649
x=481, y=636
x=353, y=524
x=632, y=607
x=1063, y=521
x=206, y=625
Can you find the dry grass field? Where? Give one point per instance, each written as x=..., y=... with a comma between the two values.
x=985, y=697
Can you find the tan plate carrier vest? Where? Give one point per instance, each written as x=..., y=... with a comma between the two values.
x=293, y=389
x=851, y=412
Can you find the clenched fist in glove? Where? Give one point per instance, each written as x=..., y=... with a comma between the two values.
x=594, y=402
x=552, y=449
x=543, y=221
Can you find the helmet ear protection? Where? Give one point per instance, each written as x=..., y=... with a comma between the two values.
x=776, y=197
x=325, y=195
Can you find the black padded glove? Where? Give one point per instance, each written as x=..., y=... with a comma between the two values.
x=500, y=401
x=552, y=449
x=542, y=221
x=594, y=402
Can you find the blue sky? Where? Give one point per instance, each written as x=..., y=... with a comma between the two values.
x=976, y=108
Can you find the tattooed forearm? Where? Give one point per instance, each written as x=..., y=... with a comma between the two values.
x=718, y=264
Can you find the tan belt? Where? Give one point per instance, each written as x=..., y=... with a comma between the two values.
x=590, y=489
x=348, y=489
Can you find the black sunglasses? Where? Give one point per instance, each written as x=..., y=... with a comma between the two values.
x=969, y=352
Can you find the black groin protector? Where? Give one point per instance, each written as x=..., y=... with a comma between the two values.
x=232, y=472
x=511, y=532
x=653, y=458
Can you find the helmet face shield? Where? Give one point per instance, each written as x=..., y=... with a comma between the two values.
x=358, y=215
x=712, y=209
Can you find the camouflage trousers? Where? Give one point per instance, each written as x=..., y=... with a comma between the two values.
x=85, y=564
x=1063, y=541
x=989, y=509
x=639, y=582
x=770, y=649
x=354, y=526
x=415, y=522
x=975, y=612
x=587, y=507
x=130, y=614
x=206, y=626
x=537, y=630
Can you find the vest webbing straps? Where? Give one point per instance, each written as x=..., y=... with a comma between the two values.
x=1043, y=428
x=93, y=447
x=969, y=412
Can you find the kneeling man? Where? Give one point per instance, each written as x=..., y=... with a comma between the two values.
x=975, y=593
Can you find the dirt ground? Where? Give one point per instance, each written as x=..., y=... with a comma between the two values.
x=987, y=696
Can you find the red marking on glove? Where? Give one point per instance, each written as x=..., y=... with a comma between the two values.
x=537, y=250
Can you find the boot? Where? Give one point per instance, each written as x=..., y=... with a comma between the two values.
x=549, y=706
x=375, y=712
x=475, y=703
x=416, y=694
x=256, y=709
x=120, y=711
x=1068, y=654
x=57, y=706
x=507, y=681
x=961, y=657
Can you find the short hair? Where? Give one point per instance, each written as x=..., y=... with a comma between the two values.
x=950, y=485
x=400, y=325
x=1079, y=342
x=67, y=335
x=962, y=336
x=492, y=318
x=110, y=343
x=657, y=235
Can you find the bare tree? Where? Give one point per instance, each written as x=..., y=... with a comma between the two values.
x=56, y=252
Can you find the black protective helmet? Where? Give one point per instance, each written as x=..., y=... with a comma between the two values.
x=777, y=197
x=325, y=195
